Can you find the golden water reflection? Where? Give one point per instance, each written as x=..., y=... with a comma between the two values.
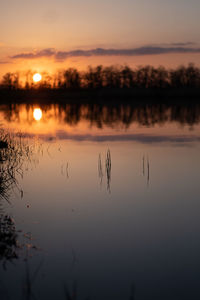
x=103, y=122
x=37, y=114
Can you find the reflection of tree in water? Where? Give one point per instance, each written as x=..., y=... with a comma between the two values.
x=112, y=114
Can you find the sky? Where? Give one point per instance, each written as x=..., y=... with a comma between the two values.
x=46, y=34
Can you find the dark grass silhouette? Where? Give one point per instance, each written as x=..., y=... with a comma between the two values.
x=8, y=234
x=108, y=169
x=8, y=240
x=29, y=280
x=13, y=153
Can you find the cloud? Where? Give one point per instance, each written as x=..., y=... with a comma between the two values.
x=38, y=54
x=147, y=50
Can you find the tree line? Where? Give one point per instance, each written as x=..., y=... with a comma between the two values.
x=99, y=77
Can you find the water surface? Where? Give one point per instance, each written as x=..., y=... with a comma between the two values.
x=107, y=199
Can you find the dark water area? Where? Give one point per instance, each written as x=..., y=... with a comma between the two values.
x=99, y=201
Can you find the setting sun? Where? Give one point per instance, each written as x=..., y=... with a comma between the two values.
x=37, y=77
x=37, y=114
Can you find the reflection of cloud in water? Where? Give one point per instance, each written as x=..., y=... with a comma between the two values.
x=141, y=138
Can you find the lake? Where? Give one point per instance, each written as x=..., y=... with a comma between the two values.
x=105, y=202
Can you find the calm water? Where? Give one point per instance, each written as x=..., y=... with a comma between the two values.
x=107, y=198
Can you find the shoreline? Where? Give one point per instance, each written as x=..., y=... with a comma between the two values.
x=101, y=96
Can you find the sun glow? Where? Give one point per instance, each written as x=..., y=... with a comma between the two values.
x=37, y=77
x=37, y=114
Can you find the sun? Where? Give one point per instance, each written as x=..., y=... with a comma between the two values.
x=37, y=114
x=37, y=77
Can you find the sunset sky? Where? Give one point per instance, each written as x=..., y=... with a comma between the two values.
x=45, y=35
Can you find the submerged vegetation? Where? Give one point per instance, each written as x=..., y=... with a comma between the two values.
x=143, y=81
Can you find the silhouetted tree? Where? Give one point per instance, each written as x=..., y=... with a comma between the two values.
x=93, y=77
x=72, y=79
x=192, y=76
x=7, y=81
x=127, y=77
x=112, y=77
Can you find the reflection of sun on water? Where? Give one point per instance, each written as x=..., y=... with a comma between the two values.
x=37, y=114
x=37, y=77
